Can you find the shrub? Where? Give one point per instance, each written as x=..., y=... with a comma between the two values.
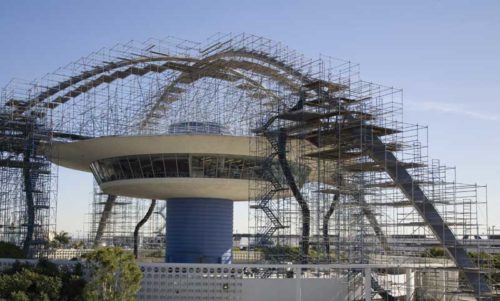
x=114, y=273
x=45, y=281
x=281, y=254
x=29, y=285
x=8, y=250
x=435, y=252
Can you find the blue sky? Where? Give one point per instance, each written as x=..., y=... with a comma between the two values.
x=444, y=54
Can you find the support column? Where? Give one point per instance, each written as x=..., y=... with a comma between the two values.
x=298, y=284
x=409, y=285
x=367, y=286
x=106, y=213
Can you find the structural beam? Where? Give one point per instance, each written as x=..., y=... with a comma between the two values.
x=106, y=213
x=402, y=178
x=140, y=224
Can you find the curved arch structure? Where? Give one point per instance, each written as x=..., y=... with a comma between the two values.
x=191, y=69
x=330, y=116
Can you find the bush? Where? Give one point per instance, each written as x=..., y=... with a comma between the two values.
x=489, y=262
x=29, y=285
x=60, y=239
x=435, y=253
x=8, y=250
x=115, y=275
x=45, y=281
x=281, y=254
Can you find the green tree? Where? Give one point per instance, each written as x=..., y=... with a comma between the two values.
x=60, y=239
x=19, y=296
x=435, y=252
x=8, y=250
x=29, y=285
x=114, y=273
x=78, y=245
x=281, y=253
x=490, y=263
x=71, y=279
x=73, y=284
x=45, y=281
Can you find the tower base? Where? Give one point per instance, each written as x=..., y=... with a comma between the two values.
x=199, y=230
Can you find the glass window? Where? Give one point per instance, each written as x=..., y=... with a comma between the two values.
x=250, y=168
x=100, y=168
x=158, y=166
x=234, y=168
x=210, y=166
x=114, y=173
x=197, y=167
x=115, y=165
x=127, y=170
x=221, y=167
x=170, y=163
x=106, y=171
x=175, y=165
x=136, y=167
x=183, y=166
x=147, y=166
x=97, y=176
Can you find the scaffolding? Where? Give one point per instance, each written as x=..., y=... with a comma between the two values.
x=347, y=180
x=27, y=178
x=116, y=228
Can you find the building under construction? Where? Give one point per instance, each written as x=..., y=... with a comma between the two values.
x=335, y=175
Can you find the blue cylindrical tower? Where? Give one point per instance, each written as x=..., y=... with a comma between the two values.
x=199, y=230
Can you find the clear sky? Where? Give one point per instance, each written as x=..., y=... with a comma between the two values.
x=444, y=54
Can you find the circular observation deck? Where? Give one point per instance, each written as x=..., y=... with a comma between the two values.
x=165, y=167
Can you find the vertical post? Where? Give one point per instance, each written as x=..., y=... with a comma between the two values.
x=409, y=285
x=368, y=284
x=298, y=288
